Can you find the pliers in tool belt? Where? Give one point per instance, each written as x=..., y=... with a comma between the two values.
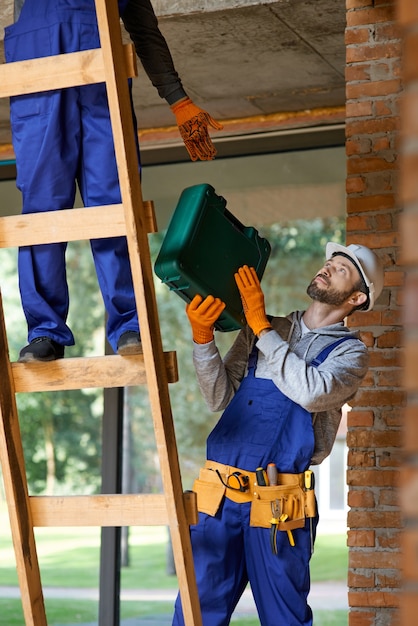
x=275, y=510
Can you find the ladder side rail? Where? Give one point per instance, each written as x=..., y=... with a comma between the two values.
x=15, y=486
x=125, y=149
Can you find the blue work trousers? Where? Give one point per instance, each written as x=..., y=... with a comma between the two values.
x=229, y=553
x=63, y=138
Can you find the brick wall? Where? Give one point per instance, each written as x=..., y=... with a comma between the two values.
x=373, y=76
x=408, y=18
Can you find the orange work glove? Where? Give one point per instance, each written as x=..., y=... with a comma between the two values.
x=202, y=316
x=252, y=299
x=193, y=126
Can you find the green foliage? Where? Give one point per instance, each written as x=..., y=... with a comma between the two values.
x=61, y=431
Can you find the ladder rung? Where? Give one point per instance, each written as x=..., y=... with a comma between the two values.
x=60, y=71
x=86, y=372
x=107, y=510
x=69, y=225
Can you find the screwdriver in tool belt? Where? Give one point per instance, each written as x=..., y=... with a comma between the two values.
x=261, y=477
x=272, y=473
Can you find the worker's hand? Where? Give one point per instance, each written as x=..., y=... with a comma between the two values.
x=202, y=316
x=252, y=299
x=193, y=125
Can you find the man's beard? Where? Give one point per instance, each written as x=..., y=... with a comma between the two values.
x=327, y=296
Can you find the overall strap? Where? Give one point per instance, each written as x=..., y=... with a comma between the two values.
x=325, y=352
x=252, y=360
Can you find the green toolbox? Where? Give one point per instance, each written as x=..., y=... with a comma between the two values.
x=203, y=248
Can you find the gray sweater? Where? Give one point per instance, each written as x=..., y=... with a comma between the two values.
x=284, y=357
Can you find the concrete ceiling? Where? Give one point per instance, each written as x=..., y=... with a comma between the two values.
x=257, y=67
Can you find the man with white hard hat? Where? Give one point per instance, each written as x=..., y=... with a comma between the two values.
x=281, y=388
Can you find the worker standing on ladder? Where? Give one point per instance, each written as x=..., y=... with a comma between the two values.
x=281, y=388
x=63, y=137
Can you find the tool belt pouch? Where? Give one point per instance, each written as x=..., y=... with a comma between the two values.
x=278, y=500
x=210, y=492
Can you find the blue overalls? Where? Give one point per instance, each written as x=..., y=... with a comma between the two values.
x=260, y=425
x=62, y=137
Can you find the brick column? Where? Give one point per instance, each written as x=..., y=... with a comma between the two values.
x=374, y=424
x=408, y=17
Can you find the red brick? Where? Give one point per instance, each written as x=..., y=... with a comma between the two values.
x=372, y=89
x=387, y=32
x=359, y=109
x=370, y=16
x=361, y=459
x=376, y=241
x=385, y=358
x=366, y=337
x=392, y=317
x=389, y=378
x=373, y=439
x=381, y=143
x=388, y=580
x=373, y=397
x=356, y=73
x=373, y=598
x=370, y=203
x=355, y=184
x=359, y=165
x=358, y=145
x=372, y=477
x=369, y=318
x=389, y=540
x=369, y=379
x=393, y=417
x=371, y=127
x=384, y=108
x=357, y=35
x=361, y=538
x=394, y=279
x=361, y=618
x=360, y=418
x=390, y=339
x=376, y=559
x=392, y=458
x=358, y=4
x=365, y=580
x=360, y=498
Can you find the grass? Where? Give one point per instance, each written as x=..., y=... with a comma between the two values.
x=70, y=558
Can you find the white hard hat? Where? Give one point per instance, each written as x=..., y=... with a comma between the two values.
x=368, y=264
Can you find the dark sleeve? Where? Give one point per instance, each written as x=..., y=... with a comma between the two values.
x=151, y=47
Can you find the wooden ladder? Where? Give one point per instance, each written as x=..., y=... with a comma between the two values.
x=113, y=63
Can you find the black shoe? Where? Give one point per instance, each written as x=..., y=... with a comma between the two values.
x=41, y=349
x=129, y=343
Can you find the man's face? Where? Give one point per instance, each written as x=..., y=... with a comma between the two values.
x=335, y=282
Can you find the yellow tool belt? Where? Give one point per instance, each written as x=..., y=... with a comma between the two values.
x=289, y=496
